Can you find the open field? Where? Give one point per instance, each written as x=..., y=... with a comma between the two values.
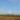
x=9, y=18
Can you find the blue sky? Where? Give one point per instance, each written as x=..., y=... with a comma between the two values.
x=10, y=5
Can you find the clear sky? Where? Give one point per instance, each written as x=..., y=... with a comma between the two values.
x=9, y=6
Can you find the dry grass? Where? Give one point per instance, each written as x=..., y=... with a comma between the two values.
x=9, y=18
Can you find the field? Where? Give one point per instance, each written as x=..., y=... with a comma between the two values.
x=9, y=18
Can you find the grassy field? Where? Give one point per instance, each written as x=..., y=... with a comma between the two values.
x=9, y=18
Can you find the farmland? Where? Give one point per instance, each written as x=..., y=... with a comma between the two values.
x=9, y=18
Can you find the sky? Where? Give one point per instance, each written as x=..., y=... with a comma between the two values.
x=9, y=6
